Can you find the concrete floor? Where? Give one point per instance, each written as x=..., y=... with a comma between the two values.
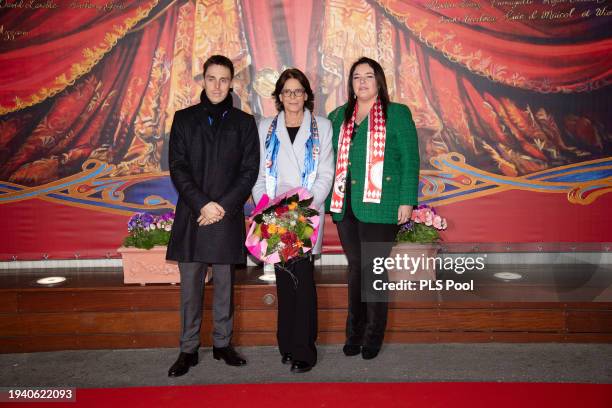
x=584, y=363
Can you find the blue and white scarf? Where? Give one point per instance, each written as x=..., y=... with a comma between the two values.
x=311, y=157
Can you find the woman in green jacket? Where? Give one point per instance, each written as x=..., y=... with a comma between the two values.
x=375, y=188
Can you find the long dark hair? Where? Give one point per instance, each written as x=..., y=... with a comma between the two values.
x=381, y=82
x=302, y=79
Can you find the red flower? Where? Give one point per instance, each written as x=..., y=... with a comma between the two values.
x=264, y=231
x=281, y=210
x=290, y=252
x=289, y=238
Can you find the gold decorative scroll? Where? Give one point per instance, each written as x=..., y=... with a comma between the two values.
x=184, y=88
x=205, y=28
x=217, y=30
x=442, y=38
x=349, y=32
x=90, y=57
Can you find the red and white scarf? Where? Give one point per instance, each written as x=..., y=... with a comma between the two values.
x=375, y=156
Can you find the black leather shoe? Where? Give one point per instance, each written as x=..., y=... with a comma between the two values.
x=182, y=364
x=287, y=358
x=301, y=367
x=368, y=353
x=229, y=355
x=351, y=350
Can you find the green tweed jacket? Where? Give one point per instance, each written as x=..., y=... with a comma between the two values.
x=400, y=171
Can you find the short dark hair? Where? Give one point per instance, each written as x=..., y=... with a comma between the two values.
x=295, y=74
x=219, y=60
x=381, y=82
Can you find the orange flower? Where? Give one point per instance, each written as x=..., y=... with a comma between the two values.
x=273, y=229
x=301, y=218
x=282, y=230
x=293, y=206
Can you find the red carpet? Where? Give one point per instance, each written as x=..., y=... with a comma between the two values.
x=379, y=395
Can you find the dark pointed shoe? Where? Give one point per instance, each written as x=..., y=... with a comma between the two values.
x=301, y=367
x=287, y=358
x=182, y=365
x=368, y=353
x=351, y=350
x=229, y=355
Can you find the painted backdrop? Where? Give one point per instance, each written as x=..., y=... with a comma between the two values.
x=511, y=99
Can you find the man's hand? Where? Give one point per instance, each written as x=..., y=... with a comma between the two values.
x=404, y=212
x=211, y=213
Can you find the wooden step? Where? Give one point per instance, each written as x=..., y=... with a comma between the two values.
x=97, y=311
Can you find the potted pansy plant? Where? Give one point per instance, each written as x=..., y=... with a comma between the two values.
x=418, y=242
x=144, y=250
x=147, y=230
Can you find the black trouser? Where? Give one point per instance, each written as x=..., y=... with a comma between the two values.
x=366, y=321
x=297, y=311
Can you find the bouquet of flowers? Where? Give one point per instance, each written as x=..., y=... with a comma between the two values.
x=146, y=230
x=423, y=226
x=283, y=228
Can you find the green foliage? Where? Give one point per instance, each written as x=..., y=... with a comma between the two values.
x=419, y=233
x=307, y=232
x=288, y=200
x=272, y=243
x=306, y=203
x=300, y=228
x=309, y=212
x=147, y=239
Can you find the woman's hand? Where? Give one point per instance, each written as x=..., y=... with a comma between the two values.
x=404, y=212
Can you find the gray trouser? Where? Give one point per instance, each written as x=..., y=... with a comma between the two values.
x=192, y=298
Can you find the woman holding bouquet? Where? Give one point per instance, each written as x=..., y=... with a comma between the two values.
x=296, y=151
x=375, y=189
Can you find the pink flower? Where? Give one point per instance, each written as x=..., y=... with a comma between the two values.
x=418, y=216
x=437, y=222
x=428, y=218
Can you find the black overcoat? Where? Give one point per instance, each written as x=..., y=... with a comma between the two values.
x=206, y=166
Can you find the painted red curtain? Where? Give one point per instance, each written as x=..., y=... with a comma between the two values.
x=61, y=46
x=98, y=117
x=542, y=54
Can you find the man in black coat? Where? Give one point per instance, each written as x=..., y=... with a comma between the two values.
x=214, y=162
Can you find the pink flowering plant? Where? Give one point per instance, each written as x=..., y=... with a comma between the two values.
x=146, y=230
x=423, y=227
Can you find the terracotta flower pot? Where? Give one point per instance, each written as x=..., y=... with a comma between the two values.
x=412, y=252
x=148, y=266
